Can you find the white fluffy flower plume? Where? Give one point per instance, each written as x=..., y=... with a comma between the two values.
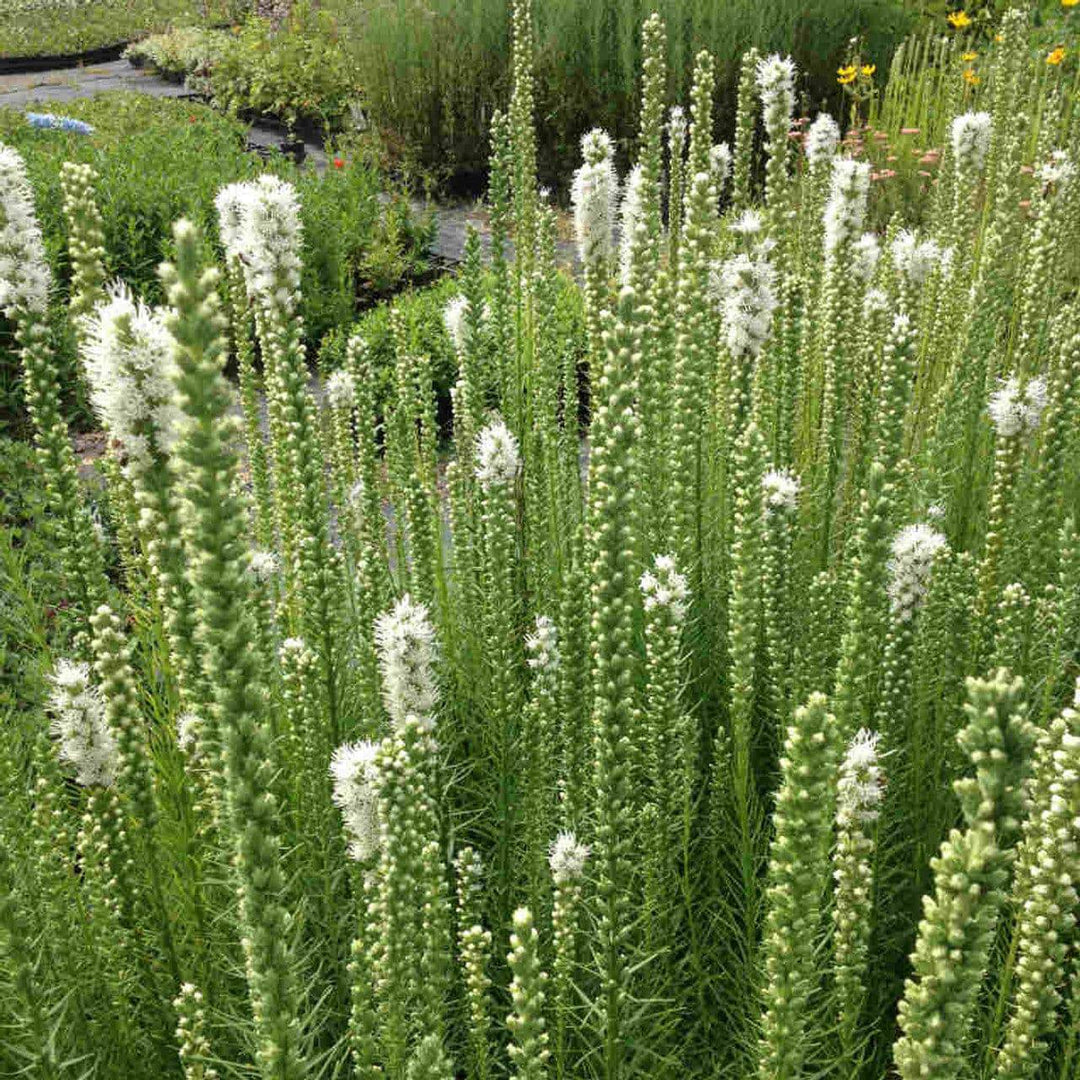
x=567, y=857
x=130, y=365
x=542, y=646
x=405, y=642
x=1013, y=410
x=341, y=390
x=861, y=788
x=85, y=741
x=594, y=195
x=916, y=259
x=745, y=286
x=780, y=490
x=664, y=587
x=24, y=271
x=354, y=772
x=498, y=457
x=822, y=139
x=455, y=319
x=776, y=85
x=849, y=185
x=970, y=134
x=910, y=566
x=632, y=218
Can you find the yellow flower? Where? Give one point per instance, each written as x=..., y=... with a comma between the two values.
x=999, y=37
x=1069, y=3
x=867, y=70
x=845, y=75
x=1056, y=56
x=971, y=78
x=969, y=56
x=959, y=19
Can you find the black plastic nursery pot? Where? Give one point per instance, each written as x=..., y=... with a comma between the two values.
x=20, y=65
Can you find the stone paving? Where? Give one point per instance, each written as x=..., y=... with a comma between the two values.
x=28, y=90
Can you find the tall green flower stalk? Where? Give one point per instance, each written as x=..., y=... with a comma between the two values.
x=613, y=541
x=85, y=240
x=798, y=877
x=567, y=858
x=959, y=922
x=529, y=1040
x=214, y=537
x=474, y=949
x=745, y=124
x=25, y=282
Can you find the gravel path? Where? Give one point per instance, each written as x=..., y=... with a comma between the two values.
x=52, y=88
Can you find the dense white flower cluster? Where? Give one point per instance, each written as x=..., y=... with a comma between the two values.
x=677, y=126
x=746, y=289
x=776, y=83
x=405, y=642
x=780, y=490
x=861, y=787
x=567, y=858
x=594, y=195
x=822, y=139
x=542, y=646
x=749, y=223
x=916, y=259
x=130, y=365
x=355, y=777
x=1013, y=410
x=910, y=566
x=631, y=216
x=1057, y=173
x=664, y=586
x=341, y=390
x=865, y=253
x=24, y=271
x=498, y=456
x=264, y=565
x=845, y=211
x=188, y=732
x=455, y=321
x=970, y=136
x=260, y=225
x=80, y=726
x=720, y=165
x=875, y=302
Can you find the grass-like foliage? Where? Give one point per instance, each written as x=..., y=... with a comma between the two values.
x=702, y=706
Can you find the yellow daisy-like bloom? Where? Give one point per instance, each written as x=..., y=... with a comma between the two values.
x=999, y=37
x=1069, y=3
x=969, y=56
x=958, y=20
x=845, y=75
x=971, y=78
x=1056, y=56
x=867, y=70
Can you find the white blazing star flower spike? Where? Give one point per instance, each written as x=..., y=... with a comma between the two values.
x=188, y=730
x=631, y=213
x=341, y=390
x=664, y=586
x=780, y=490
x=79, y=724
x=861, y=788
x=24, y=270
x=232, y=206
x=355, y=778
x=1057, y=173
x=405, y=642
x=970, y=135
x=542, y=646
x=720, y=165
x=746, y=288
x=130, y=365
x=865, y=253
x=822, y=139
x=845, y=211
x=1012, y=411
x=916, y=260
x=567, y=858
x=910, y=566
x=776, y=83
x=748, y=223
x=457, y=328
x=263, y=565
x=594, y=195
x=498, y=456
x=677, y=123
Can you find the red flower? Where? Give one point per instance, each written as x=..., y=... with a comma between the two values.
x=339, y=163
